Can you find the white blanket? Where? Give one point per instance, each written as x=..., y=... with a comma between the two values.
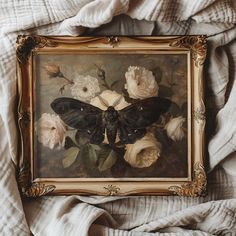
x=76, y=215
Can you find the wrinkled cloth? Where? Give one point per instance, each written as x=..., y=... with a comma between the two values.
x=126, y=216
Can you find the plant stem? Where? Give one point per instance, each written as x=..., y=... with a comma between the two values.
x=105, y=84
x=68, y=80
x=185, y=130
x=157, y=126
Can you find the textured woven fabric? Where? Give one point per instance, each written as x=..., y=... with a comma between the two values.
x=77, y=215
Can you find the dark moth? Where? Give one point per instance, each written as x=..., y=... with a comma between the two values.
x=130, y=122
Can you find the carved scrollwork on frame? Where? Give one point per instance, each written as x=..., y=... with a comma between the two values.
x=112, y=40
x=195, y=188
x=196, y=44
x=112, y=190
x=199, y=114
x=31, y=189
x=24, y=117
x=38, y=190
x=26, y=43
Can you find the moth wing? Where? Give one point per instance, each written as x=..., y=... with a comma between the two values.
x=94, y=134
x=129, y=135
x=144, y=112
x=77, y=114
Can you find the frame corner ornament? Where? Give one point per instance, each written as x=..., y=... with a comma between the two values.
x=197, y=44
x=31, y=189
x=38, y=190
x=195, y=188
x=26, y=43
x=112, y=190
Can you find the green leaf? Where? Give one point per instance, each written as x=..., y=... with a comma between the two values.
x=104, y=151
x=88, y=156
x=70, y=156
x=107, y=162
x=81, y=140
x=72, y=134
x=165, y=91
x=174, y=109
x=114, y=83
x=92, y=155
x=95, y=147
x=69, y=143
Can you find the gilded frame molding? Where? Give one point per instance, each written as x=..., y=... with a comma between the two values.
x=194, y=46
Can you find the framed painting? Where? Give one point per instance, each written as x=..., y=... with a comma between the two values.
x=111, y=115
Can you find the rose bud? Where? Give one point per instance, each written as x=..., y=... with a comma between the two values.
x=53, y=70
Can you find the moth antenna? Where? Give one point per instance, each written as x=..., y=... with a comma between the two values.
x=117, y=101
x=103, y=101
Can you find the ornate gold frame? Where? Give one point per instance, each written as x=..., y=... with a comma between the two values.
x=193, y=46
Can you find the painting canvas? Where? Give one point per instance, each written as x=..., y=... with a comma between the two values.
x=111, y=115
x=111, y=80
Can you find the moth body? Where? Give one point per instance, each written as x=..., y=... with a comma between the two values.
x=111, y=118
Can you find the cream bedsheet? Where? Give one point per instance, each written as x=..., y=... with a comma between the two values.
x=141, y=216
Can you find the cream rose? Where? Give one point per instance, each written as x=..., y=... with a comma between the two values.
x=51, y=131
x=144, y=152
x=140, y=83
x=174, y=128
x=109, y=98
x=85, y=88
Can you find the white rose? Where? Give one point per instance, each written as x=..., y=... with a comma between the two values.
x=144, y=152
x=51, y=131
x=109, y=98
x=140, y=83
x=174, y=128
x=85, y=88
